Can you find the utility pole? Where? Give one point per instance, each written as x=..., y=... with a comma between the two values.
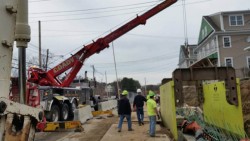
x=47, y=59
x=118, y=92
x=106, y=86
x=106, y=78
x=94, y=75
x=93, y=67
x=40, y=48
x=145, y=86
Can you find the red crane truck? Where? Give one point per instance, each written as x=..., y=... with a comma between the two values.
x=47, y=91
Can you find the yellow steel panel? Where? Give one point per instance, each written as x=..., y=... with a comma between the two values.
x=53, y=126
x=168, y=111
x=72, y=124
x=97, y=113
x=218, y=112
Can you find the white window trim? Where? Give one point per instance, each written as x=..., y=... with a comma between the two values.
x=248, y=57
x=229, y=41
x=218, y=49
x=225, y=61
x=236, y=21
x=222, y=23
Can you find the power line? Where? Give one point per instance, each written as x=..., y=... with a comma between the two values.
x=92, y=9
x=75, y=49
x=122, y=9
x=39, y=1
x=95, y=17
x=145, y=60
x=109, y=7
x=130, y=34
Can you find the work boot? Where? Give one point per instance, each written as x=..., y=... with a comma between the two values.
x=142, y=123
x=152, y=135
x=119, y=130
x=131, y=129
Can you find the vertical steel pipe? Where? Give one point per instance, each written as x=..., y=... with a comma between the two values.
x=22, y=37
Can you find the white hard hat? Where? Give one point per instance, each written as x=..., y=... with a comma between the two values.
x=138, y=90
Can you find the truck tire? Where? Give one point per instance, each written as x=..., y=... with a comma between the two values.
x=96, y=107
x=73, y=107
x=64, y=112
x=54, y=113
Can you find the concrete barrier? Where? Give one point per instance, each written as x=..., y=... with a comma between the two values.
x=83, y=114
x=107, y=105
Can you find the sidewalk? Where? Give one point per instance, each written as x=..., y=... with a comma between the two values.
x=140, y=133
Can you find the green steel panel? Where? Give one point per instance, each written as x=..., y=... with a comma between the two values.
x=215, y=55
x=218, y=112
x=168, y=111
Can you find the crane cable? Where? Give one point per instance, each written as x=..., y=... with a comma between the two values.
x=185, y=22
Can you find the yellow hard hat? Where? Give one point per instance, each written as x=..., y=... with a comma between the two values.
x=124, y=92
x=151, y=93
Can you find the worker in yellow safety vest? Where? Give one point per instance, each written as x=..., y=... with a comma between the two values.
x=152, y=113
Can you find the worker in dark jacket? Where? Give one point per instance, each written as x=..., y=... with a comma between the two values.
x=124, y=110
x=138, y=106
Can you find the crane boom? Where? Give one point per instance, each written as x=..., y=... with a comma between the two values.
x=75, y=62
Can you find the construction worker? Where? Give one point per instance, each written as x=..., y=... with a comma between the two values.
x=124, y=110
x=138, y=106
x=152, y=113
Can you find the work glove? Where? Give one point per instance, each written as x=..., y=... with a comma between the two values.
x=134, y=109
x=158, y=116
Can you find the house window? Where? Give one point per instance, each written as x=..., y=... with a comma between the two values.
x=236, y=20
x=229, y=62
x=226, y=41
x=191, y=62
x=248, y=62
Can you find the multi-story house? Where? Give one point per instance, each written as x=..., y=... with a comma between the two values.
x=187, y=56
x=224, y=40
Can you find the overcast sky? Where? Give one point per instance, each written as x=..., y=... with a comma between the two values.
x=149, y=52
